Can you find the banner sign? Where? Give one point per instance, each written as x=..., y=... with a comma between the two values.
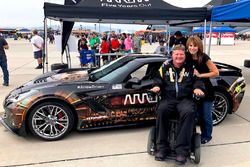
x=126, y=3
x=227, y=38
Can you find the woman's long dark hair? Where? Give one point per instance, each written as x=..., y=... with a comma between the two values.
x=196, y=41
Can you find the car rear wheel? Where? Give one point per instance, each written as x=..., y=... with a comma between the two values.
x=51, y=121
x=220, y=108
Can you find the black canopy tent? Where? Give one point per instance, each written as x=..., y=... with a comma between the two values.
x=120, y=12
x=219, y=2
x=196, y=23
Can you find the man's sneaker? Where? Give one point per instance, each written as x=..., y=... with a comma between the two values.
x=5, y=84
x=180, y=159
x=204, y=141
x=161, y=155
x=39, y=67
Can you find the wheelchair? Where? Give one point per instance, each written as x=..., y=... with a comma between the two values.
x=195, y=145
x=195, y=150
x=87, y=58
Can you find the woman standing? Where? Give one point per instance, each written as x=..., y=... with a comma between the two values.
x=204, y=69
x=128, y=44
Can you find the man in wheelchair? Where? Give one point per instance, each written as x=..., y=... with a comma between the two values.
x=177, y=84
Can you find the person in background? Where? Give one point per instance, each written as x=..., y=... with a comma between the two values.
x=104, y=49
x=150, y=38
x=115, y=44
x=205, y=69
x=3, y=60
x=177, y=85
x=82, y=43
x=94, y=42
x=37, y=45
x=128, y=44
x=122, y=46
x=51, y=38
x=177, y=39
x=124, y=36
x=104, y=46
x=161, y=49
x=136, y=43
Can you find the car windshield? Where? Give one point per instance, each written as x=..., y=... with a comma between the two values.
x=106, y=69
x=117, y=73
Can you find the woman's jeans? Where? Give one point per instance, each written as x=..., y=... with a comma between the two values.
x=206, y=119
x=3, y=64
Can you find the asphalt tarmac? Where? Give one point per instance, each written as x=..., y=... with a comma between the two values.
x=230, y=146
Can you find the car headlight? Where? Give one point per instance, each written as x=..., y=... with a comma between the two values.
x=22, y=95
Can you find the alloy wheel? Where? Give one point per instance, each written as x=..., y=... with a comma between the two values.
x=220, y=108
x=50, y=122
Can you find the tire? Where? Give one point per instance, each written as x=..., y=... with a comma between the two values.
x=221, y=107
x=58, y=66
x=151, y=141
x=50, y=121
x=196, y=148
x=247, y=63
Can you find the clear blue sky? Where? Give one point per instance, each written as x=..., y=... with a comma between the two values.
x=29, y=13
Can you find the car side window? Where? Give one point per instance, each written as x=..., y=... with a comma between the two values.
x=140, y=72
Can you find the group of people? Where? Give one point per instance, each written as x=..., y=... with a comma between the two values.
x=110, y=44
x=186, y=74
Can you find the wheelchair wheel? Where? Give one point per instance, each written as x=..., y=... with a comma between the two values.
x=151, y=146
x=196, y=148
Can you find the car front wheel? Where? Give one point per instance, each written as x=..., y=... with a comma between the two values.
x=220, y=108
x=51, y=121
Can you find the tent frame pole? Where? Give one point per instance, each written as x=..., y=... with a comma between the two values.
x=210, y=38
x=68, y=58
x=46, y=43
x=205, y=35
x=168, y=38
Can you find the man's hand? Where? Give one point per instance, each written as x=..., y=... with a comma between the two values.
x=38, y=47
x=198, y=92
x=155, y=89
x=197, y=73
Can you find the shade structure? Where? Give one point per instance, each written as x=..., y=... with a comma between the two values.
x=123, y=11
x=234, y=12
x=214, y=29
x=119, y=12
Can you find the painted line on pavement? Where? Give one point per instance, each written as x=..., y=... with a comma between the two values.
x=243, y=118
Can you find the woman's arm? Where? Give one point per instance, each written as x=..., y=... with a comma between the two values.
x=213, y=71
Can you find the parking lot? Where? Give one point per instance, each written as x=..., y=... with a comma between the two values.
x=230, y=146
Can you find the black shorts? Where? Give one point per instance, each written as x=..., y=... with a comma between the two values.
x=38, y=54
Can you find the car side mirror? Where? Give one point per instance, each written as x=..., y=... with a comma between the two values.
x=133, y=81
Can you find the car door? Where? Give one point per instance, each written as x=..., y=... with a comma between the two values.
x=131, y=101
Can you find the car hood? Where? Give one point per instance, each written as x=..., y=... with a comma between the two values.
x=53, y=79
